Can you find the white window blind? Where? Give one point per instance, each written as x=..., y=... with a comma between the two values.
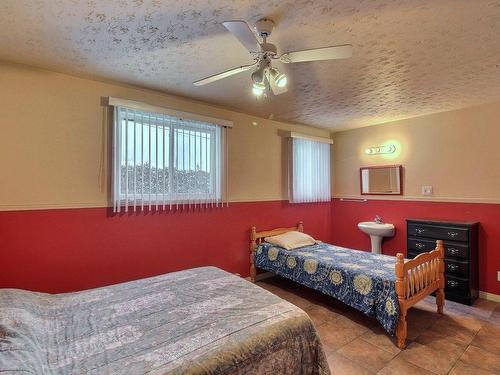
x=309, y=171
x=165, y=162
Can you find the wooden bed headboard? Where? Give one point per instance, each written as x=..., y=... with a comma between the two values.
x=257, y=237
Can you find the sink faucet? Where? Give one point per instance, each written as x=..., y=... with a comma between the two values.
x=378, y=219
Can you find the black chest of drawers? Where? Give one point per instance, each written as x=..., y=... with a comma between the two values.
x=461, y=248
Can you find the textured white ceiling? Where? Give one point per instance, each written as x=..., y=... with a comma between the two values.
x=411, y=57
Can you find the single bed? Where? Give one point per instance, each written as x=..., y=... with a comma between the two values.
x=381, y=286
x=198, y=321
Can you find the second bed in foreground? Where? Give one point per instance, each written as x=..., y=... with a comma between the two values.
x=200, y=321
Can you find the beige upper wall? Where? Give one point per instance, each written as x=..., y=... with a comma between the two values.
x=457, y=152
x=55, y=147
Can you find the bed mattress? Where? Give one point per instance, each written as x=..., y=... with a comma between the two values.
x=198, y=321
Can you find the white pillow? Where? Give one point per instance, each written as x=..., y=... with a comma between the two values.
x=291, y=240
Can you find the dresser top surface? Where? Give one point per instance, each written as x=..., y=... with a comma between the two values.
x=444, y=222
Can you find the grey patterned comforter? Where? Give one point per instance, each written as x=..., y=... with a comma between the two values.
x=198, y=321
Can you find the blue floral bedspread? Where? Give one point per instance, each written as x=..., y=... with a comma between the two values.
x=362, y=280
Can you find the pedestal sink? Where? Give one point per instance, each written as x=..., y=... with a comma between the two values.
x=376, y=231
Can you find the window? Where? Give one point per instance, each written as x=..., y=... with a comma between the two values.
x=162, y=161
x=310, y=169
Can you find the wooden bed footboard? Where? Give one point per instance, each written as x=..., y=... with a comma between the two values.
x=416, y=279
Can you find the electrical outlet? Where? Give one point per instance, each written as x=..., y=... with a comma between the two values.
x=427, y=190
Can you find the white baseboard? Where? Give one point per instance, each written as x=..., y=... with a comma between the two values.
x=489, y=296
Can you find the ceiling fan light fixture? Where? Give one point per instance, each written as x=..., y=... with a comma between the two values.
x=258, y=75
x=279, y=79
x=258, y=88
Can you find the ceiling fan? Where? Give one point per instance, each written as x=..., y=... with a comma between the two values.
x=265, y=76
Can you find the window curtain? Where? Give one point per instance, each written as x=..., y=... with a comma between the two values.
x=310, y=171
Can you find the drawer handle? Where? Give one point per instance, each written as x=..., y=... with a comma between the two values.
x=453, y=267
x=453, y=234
x=419, y=245
x=453, y=251
x=419, y=230
x=452, y=283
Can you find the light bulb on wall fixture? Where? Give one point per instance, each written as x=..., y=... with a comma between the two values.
x=378, y=150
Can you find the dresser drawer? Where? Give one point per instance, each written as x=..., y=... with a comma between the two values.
x=440, y=233
x=451, y=267
x=421, y=245
x=456, y=251
x=451, y=249
x=456, y=285
x=456, y=268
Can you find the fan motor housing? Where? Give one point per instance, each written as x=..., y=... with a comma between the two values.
x=264, y=27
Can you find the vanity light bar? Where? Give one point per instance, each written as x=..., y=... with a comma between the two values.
x=377, y=150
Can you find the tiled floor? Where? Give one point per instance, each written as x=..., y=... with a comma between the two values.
x=466, y=340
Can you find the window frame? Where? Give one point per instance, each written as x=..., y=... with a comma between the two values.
x=196, y=124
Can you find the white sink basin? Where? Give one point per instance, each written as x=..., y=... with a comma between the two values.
x=376, y=231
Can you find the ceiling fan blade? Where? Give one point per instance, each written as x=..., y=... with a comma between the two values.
x=244, y=34
x=325, y=53
x=222, y=75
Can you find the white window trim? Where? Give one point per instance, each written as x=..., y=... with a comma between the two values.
x=118, y=102
x=309, y=137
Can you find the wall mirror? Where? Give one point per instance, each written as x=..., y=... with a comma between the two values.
x=384, y=180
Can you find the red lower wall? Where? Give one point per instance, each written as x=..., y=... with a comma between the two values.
x=75, y=249
x=64, y=250
x=346, y=215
